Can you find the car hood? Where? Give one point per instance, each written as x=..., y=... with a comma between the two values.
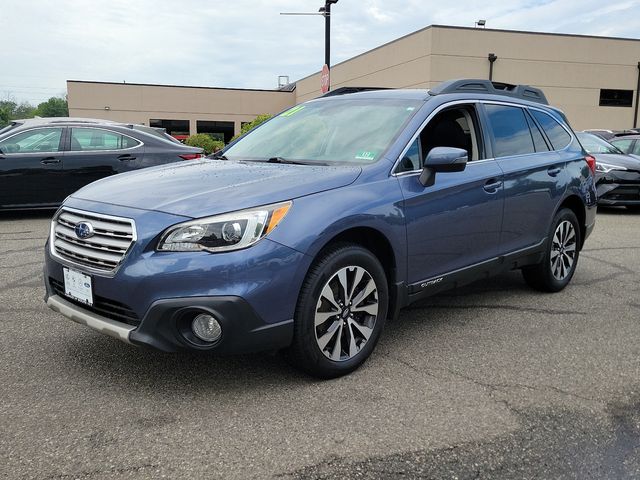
x=208, y=187
x=629, y=162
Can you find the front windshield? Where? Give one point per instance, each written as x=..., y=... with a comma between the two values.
x=594, y=145
x=335, y=131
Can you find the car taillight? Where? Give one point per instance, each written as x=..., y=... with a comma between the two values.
x=191, y=156
x=591, y=161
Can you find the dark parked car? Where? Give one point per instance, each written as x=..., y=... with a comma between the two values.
x=42, y=161
x=617, y=174
x=314, y=228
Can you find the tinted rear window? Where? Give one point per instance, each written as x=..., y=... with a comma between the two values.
x=510, y=131
x=555, y=132
x=538, y=140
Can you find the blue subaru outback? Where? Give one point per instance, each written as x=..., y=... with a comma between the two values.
x=313, y=229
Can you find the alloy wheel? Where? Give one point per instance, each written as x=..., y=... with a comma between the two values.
x=563, y=250
x=346, y=313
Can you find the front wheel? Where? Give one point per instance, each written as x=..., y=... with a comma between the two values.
x=561, y=257
x=340, y=313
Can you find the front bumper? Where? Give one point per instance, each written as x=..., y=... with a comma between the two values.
x=105, y=325
x=242, y=330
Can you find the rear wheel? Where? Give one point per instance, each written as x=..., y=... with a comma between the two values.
x=340, y=313
x=561, y=257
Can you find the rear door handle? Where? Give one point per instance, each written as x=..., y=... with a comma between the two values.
x=553, y=171
x=492, y=186
x=49, y=160
x=126, y=157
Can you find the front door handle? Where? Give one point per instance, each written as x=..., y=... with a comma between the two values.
x=554, y=171
x=126, y=157
x=492, y=185
x=49, y=160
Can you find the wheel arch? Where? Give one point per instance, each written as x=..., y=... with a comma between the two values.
x=576, y=205
x=381, y=247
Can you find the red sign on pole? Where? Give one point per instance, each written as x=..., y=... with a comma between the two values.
x=324, y=79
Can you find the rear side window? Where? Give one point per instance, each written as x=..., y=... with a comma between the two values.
x=510, y=130
x=538, y=140
x=33, y=141
x=556, y=134
x=94, y=139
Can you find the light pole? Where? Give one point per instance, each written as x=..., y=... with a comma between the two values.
x=326, y=13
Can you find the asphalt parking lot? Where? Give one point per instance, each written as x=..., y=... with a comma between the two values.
x=490, y=381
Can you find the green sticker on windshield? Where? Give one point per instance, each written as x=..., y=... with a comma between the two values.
x=292, y=111
x=365, y=155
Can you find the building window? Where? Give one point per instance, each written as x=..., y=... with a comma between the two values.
x=175, y=128
x=616, y=98
x=223, y=131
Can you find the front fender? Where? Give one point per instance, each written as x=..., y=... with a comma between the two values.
x=315, y=220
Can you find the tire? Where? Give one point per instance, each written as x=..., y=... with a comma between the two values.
x=561, y=257
x=353, y=316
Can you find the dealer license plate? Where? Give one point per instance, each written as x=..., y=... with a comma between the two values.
x=77, y=285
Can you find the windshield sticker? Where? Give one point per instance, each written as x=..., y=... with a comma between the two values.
x=292, y=111
x=364, y=155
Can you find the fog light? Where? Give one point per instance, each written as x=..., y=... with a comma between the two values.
x=206, y=327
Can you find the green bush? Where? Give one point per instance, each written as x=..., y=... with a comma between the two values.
x=204, y=141
x=254, y=123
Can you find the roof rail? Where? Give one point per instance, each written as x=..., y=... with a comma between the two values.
x=347, y=90
x=472, y=85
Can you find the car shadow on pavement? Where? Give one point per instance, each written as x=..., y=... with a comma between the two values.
x=90, y=354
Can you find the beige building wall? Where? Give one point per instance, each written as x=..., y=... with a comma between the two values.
x=138, y=103
x=570, y=69
x=403, y=63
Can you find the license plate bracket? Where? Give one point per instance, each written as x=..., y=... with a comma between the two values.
x=78, y=286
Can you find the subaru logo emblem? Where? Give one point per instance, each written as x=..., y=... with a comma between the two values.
x=84, y=230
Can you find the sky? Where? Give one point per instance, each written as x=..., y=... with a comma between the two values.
x=243, y=43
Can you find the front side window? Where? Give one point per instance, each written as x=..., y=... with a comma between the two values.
x=556, y=134
x=33, y=141
x=333, y=131
x=94, y=139
x=510, y=131
x=453, y=127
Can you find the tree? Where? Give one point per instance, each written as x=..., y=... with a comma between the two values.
x=5, y=116
x=24, y=110
x=54, y=107
x=204, y=141
x=253, y=123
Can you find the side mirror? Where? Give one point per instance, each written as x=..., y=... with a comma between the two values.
x=442, y=159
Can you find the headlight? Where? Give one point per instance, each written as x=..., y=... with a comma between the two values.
x=222, y=233
x=607, y=167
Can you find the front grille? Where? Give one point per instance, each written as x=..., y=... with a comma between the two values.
x=101, y=306
x=624, y=193
x=104, y=251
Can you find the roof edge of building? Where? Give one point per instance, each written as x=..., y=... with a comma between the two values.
x=457, y=27
x=181, y=86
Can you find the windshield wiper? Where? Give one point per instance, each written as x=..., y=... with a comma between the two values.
x=292, y=162
x=283, y=160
